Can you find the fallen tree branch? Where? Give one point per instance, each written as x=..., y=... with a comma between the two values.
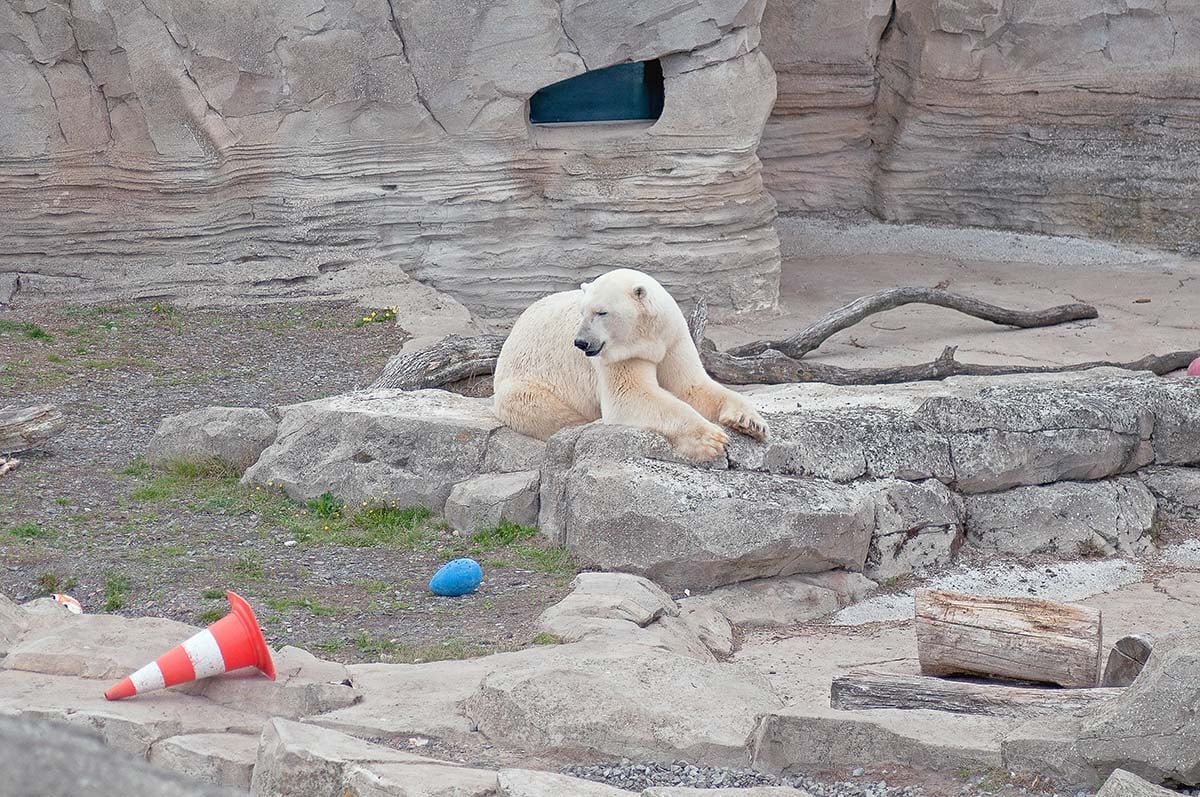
x=22, y=428
x=863, y=690
x=773, y=368
x=800, y=344
x=449, y=360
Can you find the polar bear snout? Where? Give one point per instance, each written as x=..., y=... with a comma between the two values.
x=588, y=347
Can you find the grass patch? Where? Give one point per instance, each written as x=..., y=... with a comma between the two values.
x=331, y=645
x=209, y=616
x=547, y=639
x=326, y=507
x=213, y=594
x=248, y=566
x=49, y=583
x=500, y=537
x=26, y=328
x=310, y=605
x=210, y=487
x=138, y=467
x=116, y=588
x=373, y=587
x=31, y=531
x=57, y=359
x=209, y=481
x=376, y=317
x=552, y=559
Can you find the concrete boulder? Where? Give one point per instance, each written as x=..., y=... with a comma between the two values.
x=110, y=647
x=104, y=647
x=295, y=758
x=599, y=601
x=232, y=436
x=226, y=759
x=387, y=446
x=1151, y=730
x=623, y=703
x=699, y=529
x=784, y=600
x=619, y=609
x=1126, y=784
x=50, y=759
x=489, y=500
x=917, y=526
x=531, y=783
x=13, y=624
x=1177, y=491
x=752, y=791
x=1068, y=518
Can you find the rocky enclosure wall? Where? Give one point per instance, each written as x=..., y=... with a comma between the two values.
x=159, y=147
x=1077, y=117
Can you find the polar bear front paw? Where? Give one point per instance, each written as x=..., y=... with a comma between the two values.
x=745, y=419
x=703, y=443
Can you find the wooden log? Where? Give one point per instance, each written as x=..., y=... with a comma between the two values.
x=450, y=360
x=867, y=690
x=1026, y=639
x=1126, y=659
x=22, y=428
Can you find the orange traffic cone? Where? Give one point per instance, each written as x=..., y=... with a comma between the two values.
x=233, y=642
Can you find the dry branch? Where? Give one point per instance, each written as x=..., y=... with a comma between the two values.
x=456, y=358
x=22, y=428
x=800, y=344
x=869, y=690
x=447, y=361
x=773, y=368
x=1027, y=639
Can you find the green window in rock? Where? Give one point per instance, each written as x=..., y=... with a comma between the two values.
x=621, y=92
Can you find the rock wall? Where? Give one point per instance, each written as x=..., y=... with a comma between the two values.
x=160, y=147
x=1076, y=117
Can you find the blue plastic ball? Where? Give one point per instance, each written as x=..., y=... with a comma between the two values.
x=455, y=578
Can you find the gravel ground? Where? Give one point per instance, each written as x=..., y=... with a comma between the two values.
x=85, y=516
x=895, y=782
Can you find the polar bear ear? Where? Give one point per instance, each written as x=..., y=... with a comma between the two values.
x=583, y=286
x=639, y=292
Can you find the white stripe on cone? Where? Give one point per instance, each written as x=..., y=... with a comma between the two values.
x=205, y=654
x=148, y=678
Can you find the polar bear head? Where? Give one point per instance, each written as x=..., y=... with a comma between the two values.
x=627, y=315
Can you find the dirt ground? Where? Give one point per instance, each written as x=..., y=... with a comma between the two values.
x=86, y=516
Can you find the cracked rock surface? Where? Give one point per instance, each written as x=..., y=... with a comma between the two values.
x=1073, y=117
x=192, y=151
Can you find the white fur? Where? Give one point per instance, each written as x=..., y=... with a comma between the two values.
x=647, y=372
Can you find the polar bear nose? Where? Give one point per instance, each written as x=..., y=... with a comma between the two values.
x=581, y=344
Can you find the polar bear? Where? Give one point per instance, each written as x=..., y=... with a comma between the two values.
x=618, y=349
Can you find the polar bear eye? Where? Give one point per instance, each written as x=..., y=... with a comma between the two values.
x=601, y=313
